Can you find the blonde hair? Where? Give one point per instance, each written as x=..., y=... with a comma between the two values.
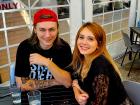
x=78, y=59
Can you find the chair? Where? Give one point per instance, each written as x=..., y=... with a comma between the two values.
x=133, y=90
x=12, y=73
x=135, y=48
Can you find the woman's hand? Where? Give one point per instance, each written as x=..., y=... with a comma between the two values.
x=82, y=98
x=36, y=58
x=80, y=95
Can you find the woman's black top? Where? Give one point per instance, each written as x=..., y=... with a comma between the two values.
x=103, y=84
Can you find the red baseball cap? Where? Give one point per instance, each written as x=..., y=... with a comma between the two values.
x=45, y=15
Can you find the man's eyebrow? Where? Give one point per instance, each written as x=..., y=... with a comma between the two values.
x=41, y=28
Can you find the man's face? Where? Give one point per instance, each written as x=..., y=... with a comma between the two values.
x=46, y=33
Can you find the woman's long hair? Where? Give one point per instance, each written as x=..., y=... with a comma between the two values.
x=99, y=33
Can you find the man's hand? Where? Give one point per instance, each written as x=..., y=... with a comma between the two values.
x=36, y=58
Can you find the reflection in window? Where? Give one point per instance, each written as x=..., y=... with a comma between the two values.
x=117, y=15
x=108, y=28
x=116, y=26
x=97, y=9
x=109, y=5
x=118, y=5
x=62, y=2
x=126, y=3
x=2, y=39
x=1, y=22
x=125, y=13
x=63, y=12
x=98, y=19
x=108, y=18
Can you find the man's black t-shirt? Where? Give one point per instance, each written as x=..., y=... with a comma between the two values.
x=61, y=56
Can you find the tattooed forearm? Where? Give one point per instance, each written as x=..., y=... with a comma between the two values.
x=31, y=84
x=40, y=84
x=24, y=79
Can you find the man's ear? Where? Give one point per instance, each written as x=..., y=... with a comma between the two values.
x=34, y=29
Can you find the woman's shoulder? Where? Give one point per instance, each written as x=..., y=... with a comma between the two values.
x=100, y=60
x=101, y=65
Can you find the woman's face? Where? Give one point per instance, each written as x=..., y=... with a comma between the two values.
x=86, y=42
x=46, y=33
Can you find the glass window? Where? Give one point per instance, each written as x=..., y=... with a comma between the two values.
x=125, y=13
x=63, y=12
x=1, y=21
x=3, y=57
x=118, y=5
x=98, y=19
x=13, y=51
x=108, y=38
x=19, y=34
x=126, y=3
x=124, y=23
x=116, y=26
x=117, y=15
x=116, y=36
x=2, y=39
x=108, y=28
x=63, y=26
x=97, y=9
x=16, y=18
x=108, y=17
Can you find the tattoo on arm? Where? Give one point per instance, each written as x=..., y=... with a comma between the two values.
x=39, y=84
x=24, y=79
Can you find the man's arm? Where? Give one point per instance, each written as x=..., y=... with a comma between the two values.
x=59, y=74
x=30, y=84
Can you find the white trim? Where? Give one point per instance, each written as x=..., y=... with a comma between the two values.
x=6, y=38
x=88, y=10
x=75, y=19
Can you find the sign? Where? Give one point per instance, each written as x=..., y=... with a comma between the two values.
x=9, y=4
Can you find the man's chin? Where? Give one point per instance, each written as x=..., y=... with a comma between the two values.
x=48, y=46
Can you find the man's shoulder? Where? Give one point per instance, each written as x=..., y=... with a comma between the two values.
x=62, y=44
x=24, y=43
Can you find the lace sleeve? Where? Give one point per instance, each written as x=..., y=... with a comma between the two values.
x=100, y=85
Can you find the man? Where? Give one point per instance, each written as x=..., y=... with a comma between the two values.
x=41, y=60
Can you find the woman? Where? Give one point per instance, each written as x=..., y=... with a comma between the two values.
x=96, y=78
